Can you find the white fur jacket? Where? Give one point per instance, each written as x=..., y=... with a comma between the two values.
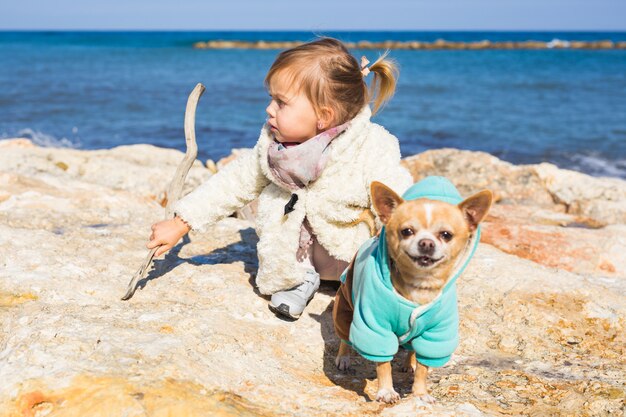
x=332, y=204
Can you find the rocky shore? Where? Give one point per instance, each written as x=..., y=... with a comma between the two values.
x=417, y=45
x=542, y=305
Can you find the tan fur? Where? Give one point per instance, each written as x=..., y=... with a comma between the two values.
x=422, y=259
x=368, y=218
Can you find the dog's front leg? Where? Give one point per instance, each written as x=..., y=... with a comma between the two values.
x=385, y=393
x=419, y=384
x=343, y=357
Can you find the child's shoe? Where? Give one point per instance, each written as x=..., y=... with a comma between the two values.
x=291, y=303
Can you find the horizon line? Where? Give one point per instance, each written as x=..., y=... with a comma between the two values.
x=303, y=30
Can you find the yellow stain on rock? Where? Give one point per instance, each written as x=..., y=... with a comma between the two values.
x=10, y=300
x=113, y=396
x=62, y=165
x=167, y=329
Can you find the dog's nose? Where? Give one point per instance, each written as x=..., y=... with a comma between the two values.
x=426, y=246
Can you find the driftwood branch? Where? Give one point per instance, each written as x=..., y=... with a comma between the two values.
x=176, y=185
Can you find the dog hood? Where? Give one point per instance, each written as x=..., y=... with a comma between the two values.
x=383, y=319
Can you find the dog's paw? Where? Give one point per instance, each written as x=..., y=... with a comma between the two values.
x=343, y=362
x=388, y=396
x=426, y=398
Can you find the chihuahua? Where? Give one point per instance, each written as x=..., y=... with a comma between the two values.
x=399, y=290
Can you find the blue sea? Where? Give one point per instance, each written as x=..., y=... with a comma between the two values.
x=91, y=90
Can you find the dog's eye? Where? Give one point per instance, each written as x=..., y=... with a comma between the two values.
x=407, y=232
x=445, y=235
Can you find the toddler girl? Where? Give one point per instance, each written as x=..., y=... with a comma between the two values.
x=310, y=169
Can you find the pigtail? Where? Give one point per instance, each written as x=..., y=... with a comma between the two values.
x=383, y=85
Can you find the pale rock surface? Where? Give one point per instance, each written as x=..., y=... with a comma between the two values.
x=474, y=171
x=602, y=200
x=143, y=169
x=197, y=340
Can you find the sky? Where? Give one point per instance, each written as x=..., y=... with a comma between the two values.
x=311, y=15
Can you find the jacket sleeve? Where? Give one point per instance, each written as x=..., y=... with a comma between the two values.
x=371, y=333
x=231, y=188
x=435, y=346
x=371, y=330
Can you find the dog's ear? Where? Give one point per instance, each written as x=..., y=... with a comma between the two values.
x=384, y=200
x=475, y=208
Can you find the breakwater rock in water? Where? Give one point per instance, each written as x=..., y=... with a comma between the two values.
x=417, y=45
x=537, y=338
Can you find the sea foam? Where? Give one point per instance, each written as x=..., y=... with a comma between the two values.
x=596, y=165
x=45, y=140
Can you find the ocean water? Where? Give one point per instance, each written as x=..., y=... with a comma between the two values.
x=92, y=90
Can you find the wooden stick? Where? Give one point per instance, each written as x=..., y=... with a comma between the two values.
x=176, y=185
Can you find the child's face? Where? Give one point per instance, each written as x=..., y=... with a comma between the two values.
x=292, y=117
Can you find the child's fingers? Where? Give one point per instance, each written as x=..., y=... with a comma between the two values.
x=162, y=250
x=153, y=243
x=163, y=246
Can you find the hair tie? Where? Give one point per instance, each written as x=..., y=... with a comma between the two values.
x=364, y=68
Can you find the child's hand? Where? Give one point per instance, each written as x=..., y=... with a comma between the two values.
x=166, y=234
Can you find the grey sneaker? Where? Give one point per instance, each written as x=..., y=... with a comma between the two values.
x=291, y=303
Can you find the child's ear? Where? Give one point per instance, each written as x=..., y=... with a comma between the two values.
x=384, y=200
x=475, y=208
x=325, y=118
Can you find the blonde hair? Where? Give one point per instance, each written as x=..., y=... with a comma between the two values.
x=330, y=76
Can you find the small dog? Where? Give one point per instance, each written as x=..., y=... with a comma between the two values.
x=400, y=290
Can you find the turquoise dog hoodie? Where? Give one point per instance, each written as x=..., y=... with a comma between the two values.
x=383, y=319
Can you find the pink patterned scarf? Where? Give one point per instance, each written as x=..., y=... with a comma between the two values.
x=297, y=166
